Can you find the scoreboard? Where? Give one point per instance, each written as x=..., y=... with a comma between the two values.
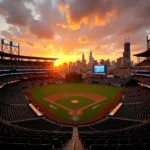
x=100, y=69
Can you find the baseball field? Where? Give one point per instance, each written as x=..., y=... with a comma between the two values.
x=74, y=102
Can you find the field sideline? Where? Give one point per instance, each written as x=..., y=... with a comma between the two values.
x=110, y=93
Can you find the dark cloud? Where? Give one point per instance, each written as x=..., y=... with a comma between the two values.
x=6, y=34
x=78, y=13
x=15, y=12
x=143, y=9
x=87, y=7
x=17, y=32
x=102, y=12
x=41, y=29
x=132, y=28
x=49, y=12
x=122, y=6
x=47, y=23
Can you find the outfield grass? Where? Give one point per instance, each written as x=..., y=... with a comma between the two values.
x=110, y=92
x=67, y=102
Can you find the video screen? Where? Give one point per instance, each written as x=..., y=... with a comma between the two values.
x=149, y=37
x=99, y=69
x=6, y=42
x=15, y=44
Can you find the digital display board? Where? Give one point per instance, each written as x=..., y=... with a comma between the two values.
x=15, y=44
x=99, y=69
x=148, y=37
x=6, y=42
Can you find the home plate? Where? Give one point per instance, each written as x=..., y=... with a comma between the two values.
x=75, y=118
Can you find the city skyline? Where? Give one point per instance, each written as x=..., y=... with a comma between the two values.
x=62, y=29
x=125, y=58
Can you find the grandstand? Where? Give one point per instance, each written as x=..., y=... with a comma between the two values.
x=17, y=72
x=107, y=81
x=141, y=72
x=22, y=126
x=129, y=127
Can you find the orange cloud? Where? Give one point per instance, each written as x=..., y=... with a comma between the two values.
x=62, y=25
x=99, y=21
x=94, y=13
x=61, y=7
x=83, y=40
x=48, y=47
x=76, y=24
x=71, y=23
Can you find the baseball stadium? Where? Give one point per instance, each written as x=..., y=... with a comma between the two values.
x=39, y=108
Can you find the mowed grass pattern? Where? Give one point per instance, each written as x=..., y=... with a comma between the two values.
x=82, y=101
x=110, y=92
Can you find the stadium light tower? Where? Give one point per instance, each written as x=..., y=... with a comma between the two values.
x=10, y=47
x=14, y=48
x=148, y=42
x=5, y=46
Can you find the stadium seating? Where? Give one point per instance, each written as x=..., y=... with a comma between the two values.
x=107, y=81
x=136, y=95
x=135, y=111
x=129, y=137
x=128, y=128
x=17, y=137
x=16, y=112
x=144, y=63
x=112, y=124
x=20, y=127
x=23, y=64
x=39, y=124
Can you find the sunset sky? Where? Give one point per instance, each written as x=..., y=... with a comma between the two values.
x=67, y=28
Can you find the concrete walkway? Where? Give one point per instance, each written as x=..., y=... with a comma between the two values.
x=75, y=141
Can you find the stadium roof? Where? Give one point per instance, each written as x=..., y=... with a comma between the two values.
x=25, y=57
x=143, y=54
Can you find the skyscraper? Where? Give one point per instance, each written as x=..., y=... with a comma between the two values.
x=83, y=58
x=78, y=66
x=90, y=60
x=83, y=62
x=126, y=54
x=120, y=62
x=113, y=64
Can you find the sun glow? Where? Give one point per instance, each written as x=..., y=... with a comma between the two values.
x=56, y=63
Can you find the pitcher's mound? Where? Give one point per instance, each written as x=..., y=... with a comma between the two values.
x=74, y=101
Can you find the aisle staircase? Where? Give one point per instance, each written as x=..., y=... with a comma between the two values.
x=74, y=143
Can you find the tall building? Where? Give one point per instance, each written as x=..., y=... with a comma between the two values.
x=70, y=66
x=78, y=66
x=126, y=54
x=94, y=62
x=113, y=64
x=120, y=62
x=102, y=61
x=83, y=58
x=91, y=60
x=83, y=63
x=108, y=63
